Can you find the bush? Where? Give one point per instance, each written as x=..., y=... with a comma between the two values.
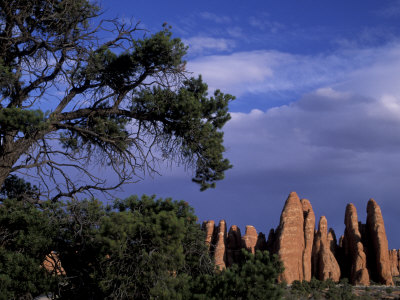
x=316, y=289
x=136, y=249
x=26, y=236
x=255, y=278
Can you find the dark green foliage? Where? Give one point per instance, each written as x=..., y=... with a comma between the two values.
x=17, y=188
x=77, y=225
x=255, y=278
x=26, y=236
x=154, y=53
x=137, y=249
x=150, y=248
x=105, y=128
x=316, y=289
x=24, y=121
x=196, y=140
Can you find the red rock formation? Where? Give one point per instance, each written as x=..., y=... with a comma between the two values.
x=250, y=239
x=309, y=227
x=233, y=245
x=208, y=227
x=398, y=255
x=398, y=262
x=394, y=262
x=53, y=265
x=220, y=246
x=290, y=239
x=354, y=249
x=362, y=251
x=379, y=243
x=328, y=267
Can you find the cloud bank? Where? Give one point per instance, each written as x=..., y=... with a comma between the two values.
x=266, y=71
x=336, y=143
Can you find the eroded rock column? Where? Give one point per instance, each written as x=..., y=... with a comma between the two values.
x=328, y=267
x=250, y=239
x=394, y=262
x=290, y=239
x=354, y=249
x=220, y=246
x=379, y=243
x=309, y=227
x=209, y=227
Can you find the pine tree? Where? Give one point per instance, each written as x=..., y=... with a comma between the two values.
x=72, y=101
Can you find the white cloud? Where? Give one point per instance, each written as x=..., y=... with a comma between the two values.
x=326, y=132
x=265, y=71
x=350, y=123
x=200, y=44
x=376, y=73
x=265, y=24
x=262, y=72
x=232, y=72
x=216, y=18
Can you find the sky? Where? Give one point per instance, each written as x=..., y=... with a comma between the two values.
x=317, y=109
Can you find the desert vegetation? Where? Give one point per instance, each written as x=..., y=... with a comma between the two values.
x=136, y=248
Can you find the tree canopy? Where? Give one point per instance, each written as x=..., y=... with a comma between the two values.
x=134, y=249
x=76, y=94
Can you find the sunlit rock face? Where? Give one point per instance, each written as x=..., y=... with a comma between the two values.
x=378, y=243
x=327, y=265
x=394, y=262
x=52, y=264
x=209, y=227
x=309, y=228
x=306, y=252
x=290, y=239
x=250, y=239
x=220, y=246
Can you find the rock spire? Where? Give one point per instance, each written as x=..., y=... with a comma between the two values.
x=361, y=255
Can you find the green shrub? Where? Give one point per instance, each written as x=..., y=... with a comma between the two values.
x=255, y=278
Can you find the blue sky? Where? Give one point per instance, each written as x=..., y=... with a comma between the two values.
x=317, y=109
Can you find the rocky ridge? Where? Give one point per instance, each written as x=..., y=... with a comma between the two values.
x=361, y=255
